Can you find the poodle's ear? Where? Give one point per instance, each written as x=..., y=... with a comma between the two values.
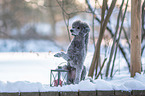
x=86, y=27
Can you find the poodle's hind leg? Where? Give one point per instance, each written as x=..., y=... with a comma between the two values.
x=78, y=75
x=84, y=72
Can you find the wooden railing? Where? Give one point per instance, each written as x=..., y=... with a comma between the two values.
x=79, y=93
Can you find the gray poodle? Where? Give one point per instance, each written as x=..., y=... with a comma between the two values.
x=76, y=52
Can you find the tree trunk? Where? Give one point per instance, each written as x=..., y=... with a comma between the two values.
x=135, y=37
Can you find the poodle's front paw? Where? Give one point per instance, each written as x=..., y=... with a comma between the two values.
x=57, y=55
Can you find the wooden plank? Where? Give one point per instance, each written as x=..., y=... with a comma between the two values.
x=69, y=93
x=124, y=93
x=30, y=94
x=49, y=93
x=9, y=94
x=138, y=92
x=105, y=93
x=87, y=93
x=80, y=93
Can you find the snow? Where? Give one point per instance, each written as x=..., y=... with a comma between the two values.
x=103, y=85
x=126, y=84
x=33, y=67
x=30, y=71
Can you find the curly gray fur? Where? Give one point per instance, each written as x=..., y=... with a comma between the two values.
x=77, y=50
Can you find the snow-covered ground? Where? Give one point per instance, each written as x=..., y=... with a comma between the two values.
x=30, y=72
x=27, y=72
x=124, y=83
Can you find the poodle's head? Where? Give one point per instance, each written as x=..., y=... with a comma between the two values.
x=79, y=28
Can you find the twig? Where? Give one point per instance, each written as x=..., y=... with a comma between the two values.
x=111, y=75
x=143, y=12
x=64, y=13
x=76, y=12
x=142, y=49
x=93, y=31
x=125, y=33
x=62, y=7
x=115, y=73
x=101, y=68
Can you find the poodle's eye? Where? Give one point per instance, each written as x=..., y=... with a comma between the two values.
x=78, y=27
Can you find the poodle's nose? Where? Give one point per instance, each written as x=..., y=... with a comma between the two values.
x=71, y=30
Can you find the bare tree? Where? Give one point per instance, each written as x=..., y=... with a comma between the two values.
x=104, y=21
x=111, y=33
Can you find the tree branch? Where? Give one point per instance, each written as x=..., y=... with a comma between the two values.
x=114, y=39
x=125, y=33
x=143, y=13
x=119, y=39
x=101, y=68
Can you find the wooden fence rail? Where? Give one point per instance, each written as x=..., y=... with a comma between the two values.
x=79, y=93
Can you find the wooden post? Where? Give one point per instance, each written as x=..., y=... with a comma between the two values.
x=135, y=37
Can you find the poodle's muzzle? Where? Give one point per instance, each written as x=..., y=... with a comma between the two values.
x=72, y=32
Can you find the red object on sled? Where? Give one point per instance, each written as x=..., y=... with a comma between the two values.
x=56, y=82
